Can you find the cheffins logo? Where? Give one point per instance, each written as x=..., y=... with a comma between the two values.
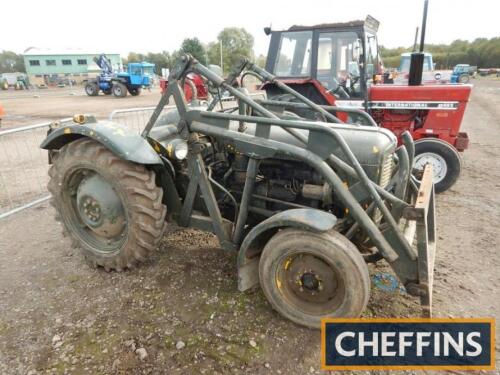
x=408, y=344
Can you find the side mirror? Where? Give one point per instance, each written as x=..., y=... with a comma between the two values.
x=267, y=30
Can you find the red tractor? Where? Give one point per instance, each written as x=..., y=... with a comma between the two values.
x=339, y=65
x=193, y=83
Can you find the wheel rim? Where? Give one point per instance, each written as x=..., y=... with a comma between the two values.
x=90, y=90
x=95, y=211
x=118, y=90
x=309, y=283
x=439, y=166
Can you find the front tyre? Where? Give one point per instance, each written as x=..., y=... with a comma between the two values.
x=111, y=208
x=307, y=276
x=443, y=157
x=119, y=90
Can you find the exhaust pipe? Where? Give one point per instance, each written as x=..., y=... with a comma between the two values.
x=417, y=58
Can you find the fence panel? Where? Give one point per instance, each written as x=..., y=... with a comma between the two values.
x=135, y=119
x=23, y=168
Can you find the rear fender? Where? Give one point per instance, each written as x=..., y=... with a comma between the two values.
x=248, y=255
x=120, y=141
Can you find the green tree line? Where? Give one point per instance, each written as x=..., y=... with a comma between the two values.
x=482, y=52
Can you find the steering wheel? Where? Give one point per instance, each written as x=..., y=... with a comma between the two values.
x=338, y=90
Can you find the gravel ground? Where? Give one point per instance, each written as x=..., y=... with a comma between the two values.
x=181, y=312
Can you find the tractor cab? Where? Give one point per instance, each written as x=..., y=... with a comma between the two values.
x=342, y=57
x=141, y=73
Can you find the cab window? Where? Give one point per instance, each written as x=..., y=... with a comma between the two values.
x=294, y=54
x=337, y=63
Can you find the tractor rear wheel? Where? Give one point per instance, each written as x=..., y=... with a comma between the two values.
x=135, y=91
x=92, y=89
x=443, y=157
x=464, y=78
x=111, y=208
x=307, y=276
x=119, y=90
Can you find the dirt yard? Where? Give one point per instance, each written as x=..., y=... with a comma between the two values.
x=31, y=107
x=181, y=311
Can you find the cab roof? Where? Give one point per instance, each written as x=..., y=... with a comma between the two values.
x=370, y=23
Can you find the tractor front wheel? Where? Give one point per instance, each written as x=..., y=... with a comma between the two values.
x=91, y=89
x=110, y=208
x=119, y=90
x=307, y=276
x=443, y=157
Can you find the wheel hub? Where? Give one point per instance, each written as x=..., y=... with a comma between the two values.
x=310, y=279
x=439, y=167
x=100, y=208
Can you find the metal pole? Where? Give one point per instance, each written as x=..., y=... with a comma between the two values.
x=424, y=23
x=415, y=41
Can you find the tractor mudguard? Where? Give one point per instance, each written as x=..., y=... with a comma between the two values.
x=302, y=218
x=120, y=141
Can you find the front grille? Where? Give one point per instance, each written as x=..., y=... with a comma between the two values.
x=386, y=171
x=384, y=179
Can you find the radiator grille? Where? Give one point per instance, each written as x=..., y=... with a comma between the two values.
x=384, y=179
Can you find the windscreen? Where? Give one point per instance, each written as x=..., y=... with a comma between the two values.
x=294, y=54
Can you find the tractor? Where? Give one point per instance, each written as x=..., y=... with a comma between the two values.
x=339, y=65
x=138, y=75
x=304, y=204
x=462, y=73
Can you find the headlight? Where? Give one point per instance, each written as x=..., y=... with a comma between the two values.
x=178, y=149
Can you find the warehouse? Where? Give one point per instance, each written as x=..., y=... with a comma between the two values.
x=51, y=67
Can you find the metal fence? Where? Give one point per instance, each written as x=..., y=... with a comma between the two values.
x=135, y=119
x=24, y=165
x=23, y=168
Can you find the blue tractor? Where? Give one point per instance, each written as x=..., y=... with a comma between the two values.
x=461, y=73
x=137, y=76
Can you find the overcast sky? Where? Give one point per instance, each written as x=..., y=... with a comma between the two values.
x=142, y=26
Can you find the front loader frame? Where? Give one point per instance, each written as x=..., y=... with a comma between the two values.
x=414, y=268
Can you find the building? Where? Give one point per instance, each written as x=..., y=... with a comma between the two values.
x=46, y=66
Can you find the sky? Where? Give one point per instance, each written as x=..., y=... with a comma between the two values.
x=152, y=26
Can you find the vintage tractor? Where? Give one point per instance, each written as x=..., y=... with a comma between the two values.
x=339, y=65
x=137, y=76
x=306, y=204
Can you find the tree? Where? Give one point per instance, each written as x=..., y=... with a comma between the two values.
x=11, y=62
x=236, y=43
x=194, y=47
x=261, y=61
